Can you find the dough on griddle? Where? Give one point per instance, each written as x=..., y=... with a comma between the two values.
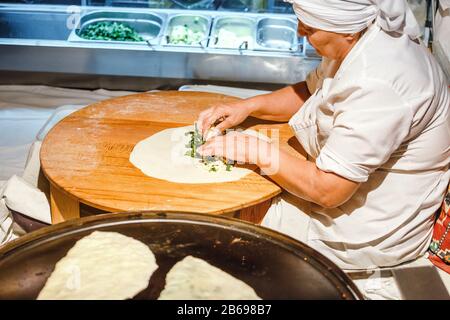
x=103, y=265
x=195, y=279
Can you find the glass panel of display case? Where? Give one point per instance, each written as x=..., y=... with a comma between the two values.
x=270, y=6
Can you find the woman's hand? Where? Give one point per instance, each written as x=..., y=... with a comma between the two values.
x=279, y=105
x=239, y=147
x=230, y=115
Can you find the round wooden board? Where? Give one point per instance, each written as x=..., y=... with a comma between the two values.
x=86, y=156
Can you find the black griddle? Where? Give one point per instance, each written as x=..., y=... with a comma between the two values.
x=276, y=266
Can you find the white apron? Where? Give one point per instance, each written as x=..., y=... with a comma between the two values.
x=289, y=214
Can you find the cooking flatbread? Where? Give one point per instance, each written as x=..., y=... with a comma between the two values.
x=195, y=279
x=163, y=156
x=103, y=265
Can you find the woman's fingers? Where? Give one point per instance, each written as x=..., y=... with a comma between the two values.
x=213, y=147
x=209, y=119
x=225, y=124
x=227, y=116
x=222, y=146
x=201, y=121
x=238, y=146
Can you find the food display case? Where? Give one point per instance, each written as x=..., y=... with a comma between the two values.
x=156, y=41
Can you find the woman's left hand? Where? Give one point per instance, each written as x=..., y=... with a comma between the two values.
x=239, y=147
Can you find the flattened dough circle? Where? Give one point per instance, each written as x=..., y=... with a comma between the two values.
x=195, y=279
x=101, y=266
x=162, y=156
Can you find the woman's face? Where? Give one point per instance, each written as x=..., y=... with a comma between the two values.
x=328, y=44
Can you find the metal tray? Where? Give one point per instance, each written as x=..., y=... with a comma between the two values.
x=233, y=22
x=148, y=25
x=276, y=34
x=276, y=266
x=203, y=24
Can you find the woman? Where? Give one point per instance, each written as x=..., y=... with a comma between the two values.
x=374, y=120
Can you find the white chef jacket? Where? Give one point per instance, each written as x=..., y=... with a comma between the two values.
x=380, y=119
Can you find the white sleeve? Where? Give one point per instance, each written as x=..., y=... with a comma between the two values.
x=370, y=123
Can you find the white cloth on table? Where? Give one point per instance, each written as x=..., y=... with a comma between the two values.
x=381, y=123
x=19, y=126
x=231, y=91
x=51, y=97
x=21, y=196
x=59, y=114
x=27, y=113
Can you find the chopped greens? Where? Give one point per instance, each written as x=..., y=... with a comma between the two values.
x=196, y=140
x=185, y=34
x=110, y=31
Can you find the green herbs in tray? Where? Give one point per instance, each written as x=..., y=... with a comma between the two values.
x=110, y=31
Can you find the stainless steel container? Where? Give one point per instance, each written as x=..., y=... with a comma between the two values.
x=148, y=25
x=195, y=22
x=276, y=34
x=233, y=32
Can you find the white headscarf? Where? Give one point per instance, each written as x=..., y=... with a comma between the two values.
x=351, y=16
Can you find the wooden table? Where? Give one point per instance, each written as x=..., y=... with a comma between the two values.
x=86, y=160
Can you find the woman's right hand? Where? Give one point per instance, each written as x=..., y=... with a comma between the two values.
x=229, y=115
